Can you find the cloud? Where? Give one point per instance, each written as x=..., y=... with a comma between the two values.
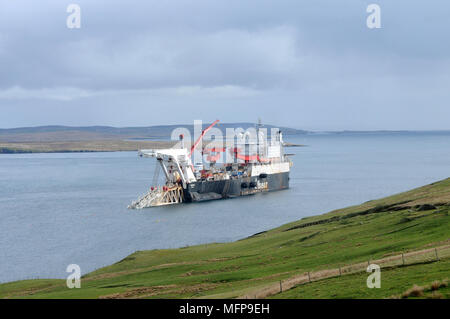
x=73, y=93
x=254, y=59
x=219, y=92
x=308, y=60
x=59, y=94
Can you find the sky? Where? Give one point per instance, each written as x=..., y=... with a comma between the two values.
x=311, y=65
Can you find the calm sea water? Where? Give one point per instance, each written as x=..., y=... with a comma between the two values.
x=60, y=209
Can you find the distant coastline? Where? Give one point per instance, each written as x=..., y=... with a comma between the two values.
x=67, y=139
x=80, y=146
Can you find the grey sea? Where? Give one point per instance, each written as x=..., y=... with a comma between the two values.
x=71, y=208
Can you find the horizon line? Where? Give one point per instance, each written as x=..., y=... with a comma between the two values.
x=224, y=123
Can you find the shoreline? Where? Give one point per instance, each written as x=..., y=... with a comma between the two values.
x=229, y=270
x=80, y=146
x=89, y=146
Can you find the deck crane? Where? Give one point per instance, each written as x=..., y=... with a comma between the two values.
x=201, y=137
x=266, y=170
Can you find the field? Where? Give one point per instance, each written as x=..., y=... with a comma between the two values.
x=394, y=283
x=80, y=146
x=49, y=139
x=406, y=222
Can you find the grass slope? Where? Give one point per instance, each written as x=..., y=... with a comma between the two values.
x=81, y=146
x=408, y=221
x=394, y=282
x=88, y=133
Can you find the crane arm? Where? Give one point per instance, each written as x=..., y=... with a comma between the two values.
x=201, y=136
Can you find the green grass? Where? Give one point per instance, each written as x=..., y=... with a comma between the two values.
x=80, y=146
x=372, y=230
x=394, y=282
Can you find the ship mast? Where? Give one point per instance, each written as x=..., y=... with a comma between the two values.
x=258, y=146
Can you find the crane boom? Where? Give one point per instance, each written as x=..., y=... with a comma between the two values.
x=201, y=136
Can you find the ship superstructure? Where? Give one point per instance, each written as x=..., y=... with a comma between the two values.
x=244, y=166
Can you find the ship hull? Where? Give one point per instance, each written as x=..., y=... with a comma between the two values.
x=241, y=186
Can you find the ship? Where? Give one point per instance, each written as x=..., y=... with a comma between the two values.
x=255, y=164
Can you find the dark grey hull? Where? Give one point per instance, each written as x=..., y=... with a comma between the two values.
x=209, y=190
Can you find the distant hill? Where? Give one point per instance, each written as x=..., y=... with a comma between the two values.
x=57, y=133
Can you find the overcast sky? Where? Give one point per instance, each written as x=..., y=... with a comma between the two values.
x=306, y=64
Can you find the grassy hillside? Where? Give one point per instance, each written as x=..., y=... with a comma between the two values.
x=89, y=133
x=408, y=221
x=394, y=283
x=81, y=146
x=51, y=139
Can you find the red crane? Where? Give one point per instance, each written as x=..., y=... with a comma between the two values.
x=201, y=136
